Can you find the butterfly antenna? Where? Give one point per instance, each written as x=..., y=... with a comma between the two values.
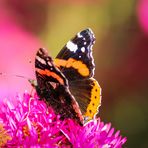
x=14, y=75
x=31, y=81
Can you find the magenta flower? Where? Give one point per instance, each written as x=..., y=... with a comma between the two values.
x=30, y=123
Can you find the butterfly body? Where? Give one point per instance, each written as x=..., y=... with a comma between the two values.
x=66, y=83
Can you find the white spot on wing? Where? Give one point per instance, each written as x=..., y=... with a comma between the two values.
x=92, y=63
x=90, y=30
x=91, y=46
x=83, y=49
x=91, y=33
x=71, y=46
x=41, y=60
x=79, y=35
x=49, y=63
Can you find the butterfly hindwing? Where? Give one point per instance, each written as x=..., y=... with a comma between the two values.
x=52, y=87
x=88, y=95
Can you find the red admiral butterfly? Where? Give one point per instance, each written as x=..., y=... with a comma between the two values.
x=67, y=83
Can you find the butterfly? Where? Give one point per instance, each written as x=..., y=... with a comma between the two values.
x=66, y=83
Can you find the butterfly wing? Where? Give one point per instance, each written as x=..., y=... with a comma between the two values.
x=76, y=62
x=88, y=95
x=75, y=59
x=52, y=87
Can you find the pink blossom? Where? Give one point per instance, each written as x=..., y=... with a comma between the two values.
x=30, y=123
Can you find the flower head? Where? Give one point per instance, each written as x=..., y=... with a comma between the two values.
x=30, y=123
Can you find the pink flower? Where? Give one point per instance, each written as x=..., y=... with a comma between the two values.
x=93, y=134
x=30, y=123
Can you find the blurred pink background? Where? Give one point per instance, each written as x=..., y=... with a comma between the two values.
x=17, y=48
x=120, y=52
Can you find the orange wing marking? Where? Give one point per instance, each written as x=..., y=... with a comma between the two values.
x=49, y=73
x=79, y=65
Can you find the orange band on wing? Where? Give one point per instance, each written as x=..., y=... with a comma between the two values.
x=79, y=65
x=49, y=73
x=60, y=62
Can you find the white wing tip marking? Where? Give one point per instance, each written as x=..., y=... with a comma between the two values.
x=71, y=46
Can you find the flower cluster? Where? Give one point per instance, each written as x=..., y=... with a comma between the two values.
x=29, y=122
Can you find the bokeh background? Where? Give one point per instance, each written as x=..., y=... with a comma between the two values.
x=120, y=52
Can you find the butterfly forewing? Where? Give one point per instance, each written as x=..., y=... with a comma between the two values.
x=75, y=59
x=52, y=87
